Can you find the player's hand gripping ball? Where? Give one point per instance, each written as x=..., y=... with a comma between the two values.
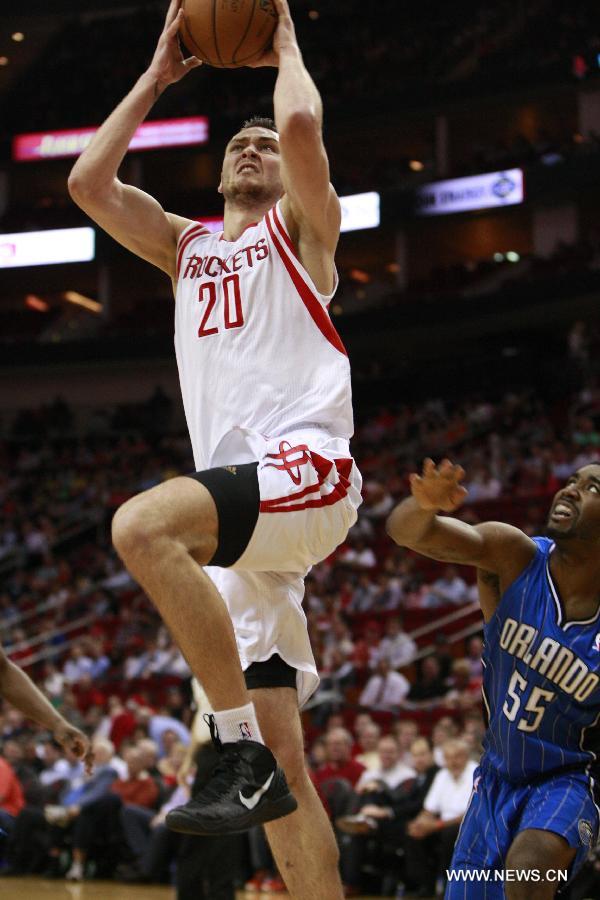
x=228, y=33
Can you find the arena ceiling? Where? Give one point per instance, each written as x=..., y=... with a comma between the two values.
x=38, y=25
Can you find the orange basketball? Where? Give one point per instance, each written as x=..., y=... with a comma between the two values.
x=228, y=33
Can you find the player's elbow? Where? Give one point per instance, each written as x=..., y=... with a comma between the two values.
x=393, y=528
x=300, y=123
x=76, y=186
x=402, y=528
x=4, y=671
x=83, y=187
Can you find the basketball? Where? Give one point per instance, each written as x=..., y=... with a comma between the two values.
x=228, y=33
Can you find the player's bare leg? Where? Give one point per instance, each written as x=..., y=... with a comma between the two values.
x=164, y=536
x=541, y=850
x=303, y=844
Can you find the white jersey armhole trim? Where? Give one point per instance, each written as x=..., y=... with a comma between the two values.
x=279, y=221
x=191, y=231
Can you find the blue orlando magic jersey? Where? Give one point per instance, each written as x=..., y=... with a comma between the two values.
x=541, y=681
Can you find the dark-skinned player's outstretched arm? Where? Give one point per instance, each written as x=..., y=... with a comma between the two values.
x=500, y=552
x=21, y=692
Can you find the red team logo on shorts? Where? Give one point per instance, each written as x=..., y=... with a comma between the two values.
x=290, y=459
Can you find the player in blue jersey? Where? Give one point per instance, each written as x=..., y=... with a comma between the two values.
x=534, y=804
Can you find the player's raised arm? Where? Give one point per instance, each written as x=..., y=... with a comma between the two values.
x=131, y=216
x=19, y=689
x=493, y=547
x=310, y=202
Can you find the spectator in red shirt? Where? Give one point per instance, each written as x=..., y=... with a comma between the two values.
x=366, y=648
x=88, y=694
x=339, y=761
x=123, y=721
x=11, y=799
x=336, y=777
x=139, y=787
x=11, y=794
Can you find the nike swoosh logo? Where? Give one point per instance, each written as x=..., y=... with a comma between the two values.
x=250, y=802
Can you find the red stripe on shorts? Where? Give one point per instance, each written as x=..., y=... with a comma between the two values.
x=338, y=493
x=297, y=495
x=323, y=467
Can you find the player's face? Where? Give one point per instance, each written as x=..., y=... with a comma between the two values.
x=575, y=510
x=252, y=166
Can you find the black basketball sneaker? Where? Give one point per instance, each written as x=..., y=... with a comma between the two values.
x=246, y=788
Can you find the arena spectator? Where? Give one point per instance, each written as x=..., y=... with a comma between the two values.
x=54, y=681
x=100, y=816
x=364, y=595
x=464, y=693
x=445, y=729
x=338, y=775
x=148, y=840
x=378, y=502
x=433, y=831
x=170, y=765
x=77, y=665
x=100, y=661
x=526, y=445
x=429, y=687
x=473, y=732
x=61, y=769
x=338, y=639
x=75, y=801
x=388, y=593
x=367, y=745
x=396, y=646
x=367, y=646
x=382, y=817
x=449, y=589
x=391, y=771
x=474, y=652
x=357, y=555
x=336, y=676
x=160, y=723
x=27, y=774
x=406, y=732
x=117, y=723
x=385, y=690
x=12, y=799
x=444, y=655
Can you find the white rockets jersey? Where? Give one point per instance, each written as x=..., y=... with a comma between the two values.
x=256, y=349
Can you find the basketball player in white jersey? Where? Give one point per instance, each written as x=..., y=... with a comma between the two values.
x=266, y=388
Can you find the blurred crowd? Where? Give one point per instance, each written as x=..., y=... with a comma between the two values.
x=394, y=731
x=437, y=51
x=400, y=692
x=506, y=278
x=435, y=45
x=100, y=50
